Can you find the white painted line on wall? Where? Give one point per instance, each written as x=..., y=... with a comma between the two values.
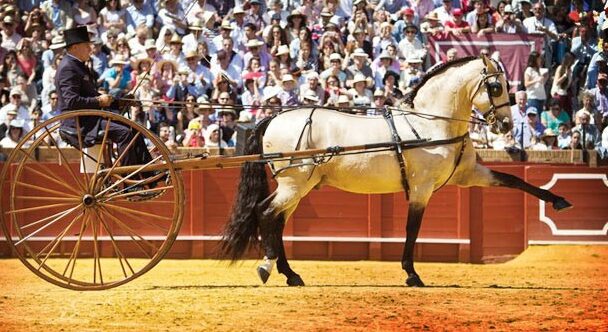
x=570, y=232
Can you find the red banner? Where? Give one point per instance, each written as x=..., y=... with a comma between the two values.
x=514, y=49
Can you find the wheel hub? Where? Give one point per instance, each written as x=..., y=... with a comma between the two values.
x=88, y=200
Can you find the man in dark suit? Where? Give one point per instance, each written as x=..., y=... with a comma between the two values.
x=77, y=89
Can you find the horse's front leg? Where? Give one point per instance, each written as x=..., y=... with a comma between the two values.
x=418, y=200
x=512, y=181
x=414, y=220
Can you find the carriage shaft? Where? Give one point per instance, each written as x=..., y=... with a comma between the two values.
x=220, y=162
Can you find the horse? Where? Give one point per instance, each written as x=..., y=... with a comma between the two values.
x=438, y=108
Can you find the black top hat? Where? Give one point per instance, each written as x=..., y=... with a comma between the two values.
x=76, y=35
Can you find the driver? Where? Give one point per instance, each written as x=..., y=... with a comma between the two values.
x=76, y=87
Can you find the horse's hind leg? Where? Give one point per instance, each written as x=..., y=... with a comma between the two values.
x=284, y=202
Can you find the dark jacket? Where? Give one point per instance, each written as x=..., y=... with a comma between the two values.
x=77, y=90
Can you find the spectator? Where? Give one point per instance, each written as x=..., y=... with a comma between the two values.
x=175, y=51
x=555, y=116
x=15, y=103
x=225, y=32
x=112, y=16
x=118, y=77
x=444, y=12
x=254, y=15
x=58, y=13
x=535, y=78
x=518, y=111
x=474, y=17
x=360, y=89
x=172, y=15
x=312, y=84
x=591, y=137
x=583, y=48
x=84, y=14
x=564, y=136
x=304, y=37
x=407, y=17
x=14, y=134
x=597, y=65
x=530, y=131
x=523, y=9
x=509, y=23
x=289, y=92
x=433, y=25
x=212, y=137
x=50, y=110
x=309, y=98
x=165, y=73
x=11, y=114
x=185, y=115
x=456, y=25
x=560, y=89
x=384, y=39
x=296, y=21
x=410, y=46
x=139, y=13
x=540, y=24
x=386, y=61
x=335, y=69
x=10, y=38
x=359, y=66
x=412, y=75
x=27, y=60
x=482, y=25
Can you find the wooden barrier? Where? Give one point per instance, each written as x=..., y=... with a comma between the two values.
x=460, y=224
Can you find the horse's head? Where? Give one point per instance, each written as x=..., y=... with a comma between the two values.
x=492, y=96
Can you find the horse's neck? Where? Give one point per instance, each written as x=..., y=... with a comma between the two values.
x=449, y=94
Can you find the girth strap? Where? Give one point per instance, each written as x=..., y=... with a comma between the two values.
x=388, y=116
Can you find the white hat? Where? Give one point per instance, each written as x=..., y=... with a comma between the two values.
x=343, y=99
x=385, y=55
x=270, y=92
x=207, y=15
x=11, y=108
x=508, y=9
x=359, y=78
x=238, y=10
x=245, y=116
x=118, y=60
x=226, y=25
x=16, y=91
x=57, y=42
x=335, y=56
x=311, y=95
x=283, y=49
x=254, y=43
x=413, y=59
x=312, y=75
x=287, y=78
x=17, y=123
x=379, y=93
x=141, y=58
x=198, y=24
x=149, y=44
x=360, y=52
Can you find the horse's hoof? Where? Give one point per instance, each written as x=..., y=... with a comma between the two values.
x=295, y=280
x=561, y=204
x=263, y=274
x=414, y=281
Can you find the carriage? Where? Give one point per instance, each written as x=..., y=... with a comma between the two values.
x=415, y=149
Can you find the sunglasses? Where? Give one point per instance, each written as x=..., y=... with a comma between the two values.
x=410, y=31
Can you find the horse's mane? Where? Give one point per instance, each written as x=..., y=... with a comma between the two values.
x=409, y=97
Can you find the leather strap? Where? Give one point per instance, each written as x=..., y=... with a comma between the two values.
x=388, y=116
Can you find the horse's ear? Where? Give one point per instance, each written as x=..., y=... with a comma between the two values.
x=485, y=59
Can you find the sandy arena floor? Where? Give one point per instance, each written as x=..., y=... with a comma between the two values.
x=546, y=288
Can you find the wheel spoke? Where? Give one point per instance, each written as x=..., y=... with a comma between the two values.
x=114, y=196
x=74, y=254
x=124, y=152
x=47, y=190
x=47, y=198
x=82, y=156
x=126, y=177
x=36, y=208
x=100, y=154
x=145, y=222
x=52, y=178
x=141, y=213
x=119, y=253
x=57, y=241
x=132, y=233
x=65, y=160
x=96, y=258
x=41, y=220
x=65, y=213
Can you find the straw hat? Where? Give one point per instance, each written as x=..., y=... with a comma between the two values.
x=335, y=56
x=360, y=52
x=238, y=10
x=283, y=49
x=57, y=42
x=162, y=63
x=548, y=133
x=149, y=44
x=16, y=91
x=359, y=78
x=343, y=99
x=287, y=78
x=176, y=39
x=192, y=54
x=379, y=93
x=385, y=55
x=254, y=43
x=311, y=95
x=197, y=25
x=432, y=16
x=226, y=25
x=119, y=60
x=295, y=13
x=141, y=58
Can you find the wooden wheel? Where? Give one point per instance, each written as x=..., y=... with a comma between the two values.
x=75, y=224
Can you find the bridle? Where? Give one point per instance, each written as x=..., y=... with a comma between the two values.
x=494, y=90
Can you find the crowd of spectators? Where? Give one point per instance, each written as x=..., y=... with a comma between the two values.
x=198, y=67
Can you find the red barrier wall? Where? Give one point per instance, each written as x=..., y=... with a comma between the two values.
x=460, y=224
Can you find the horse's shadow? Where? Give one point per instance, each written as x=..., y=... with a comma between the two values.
x=453, y=286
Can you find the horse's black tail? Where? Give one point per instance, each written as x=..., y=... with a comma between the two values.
x=241, y=231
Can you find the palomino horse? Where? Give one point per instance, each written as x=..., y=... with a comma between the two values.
x=448, y=93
